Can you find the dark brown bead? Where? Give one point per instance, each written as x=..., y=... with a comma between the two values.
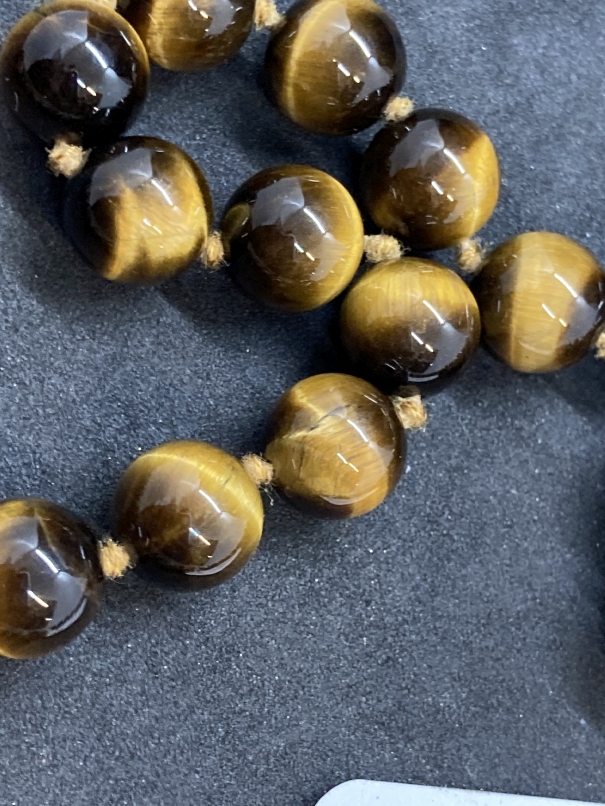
x=410, y=321
x=542, y=299
x=337, y=447
x=293, y=237
x=432, y=179
x=74, y=68
x=335, y=64
x=50, y=577
x=191, y=34
x=190, y=512
x=140, y=212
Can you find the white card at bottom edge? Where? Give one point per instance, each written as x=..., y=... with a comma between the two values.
x=373, y=793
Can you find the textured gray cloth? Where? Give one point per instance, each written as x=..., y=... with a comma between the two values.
x=452, y=637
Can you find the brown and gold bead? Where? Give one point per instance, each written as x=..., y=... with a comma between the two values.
x=74, y=69
x=433, y=179
x=410, y=322
x=334, y=64
x=191, y=514
x=336, y=446
x=140, y=212
x=50, y=577
x=293, y=237
x=542, y=299
x=190, y=34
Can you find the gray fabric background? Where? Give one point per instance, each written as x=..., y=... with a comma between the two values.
x=454, y=636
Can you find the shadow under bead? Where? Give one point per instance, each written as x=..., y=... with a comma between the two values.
x=433, y=179
x=140, y=212
x=335, y=64
x=336, y=446
x=191, y=513
x=50, y=577
x=190, y=34
x=293, y=238
x=542, y=300
x=410, y=322
x=74, y=69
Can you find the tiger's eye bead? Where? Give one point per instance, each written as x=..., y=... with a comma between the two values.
x=140, y=212
x=336, y=446
x=542, y=299
x=410, y=321
x=191, y=513
x=293, y=237
x=74, y=67
x=191, y=34
x=50, y=577
x=432, y=179
x=335, y=64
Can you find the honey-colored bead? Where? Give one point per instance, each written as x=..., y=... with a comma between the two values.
x=50, y=577
x=190, y=512
x=432, y=179
x=140, y=212
x=410, y=321
x=335, y=64
x=191, y=34
x=542, y=299
x=74, y=68
x=337, y=447
x=293, y=237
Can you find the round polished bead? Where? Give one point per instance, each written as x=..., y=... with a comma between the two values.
x=432, y=179
x=410, y=321
x=337, y=447
x=191, y=34
x=542, y=299
x=140, y=212
x=335, y=64
x=293, y=237
x=50, y=577
x=74, y=68
x=191, y=513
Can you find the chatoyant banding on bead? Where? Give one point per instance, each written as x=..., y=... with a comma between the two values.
x=191, y=514
x=335, y=64
x=74, y=69
x=336, y=446
x=410, y=322
x=542, y=301
x=140, y=212
x=50, y=577
x=190, y=34
x=432, y=179
x=293, y=238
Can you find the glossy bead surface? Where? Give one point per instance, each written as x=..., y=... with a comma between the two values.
x=335, y=64
x=140, y=212
x=410, y=321
x=293, y=237
x=542, y=299
x=191, y=513
x=74, y=67
x=50, y=577
x=432, y=179
x=336, y=446
x=191, y=34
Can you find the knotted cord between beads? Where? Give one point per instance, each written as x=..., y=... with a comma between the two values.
x=398, y=108
x=115, y=558
x=379, y=248
x=410, y=410
x=267, y=16
x=67, y=157
x=213, y=253
x=260, y=470
x=470, y=256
